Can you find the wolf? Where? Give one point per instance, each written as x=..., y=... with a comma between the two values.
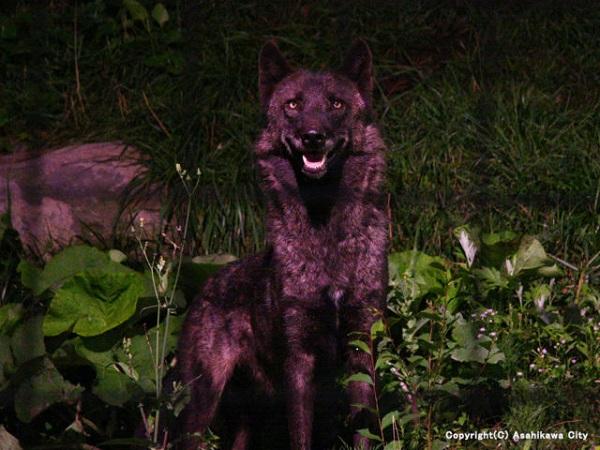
x=267, y=335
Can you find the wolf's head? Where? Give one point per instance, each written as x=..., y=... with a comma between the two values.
x=314, y=114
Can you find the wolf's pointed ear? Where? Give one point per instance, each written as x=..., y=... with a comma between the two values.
x=358, y=66
x=272, y=68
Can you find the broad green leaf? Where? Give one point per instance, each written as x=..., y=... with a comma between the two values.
x=42, y=387
x=366, y=433
x=31, y=276
x=463, y=332
x=115, y=388
x=467, y=354
x=532, y=256
x=142, y=349
x=137, y=11
x=389, y=418
x=417, y=274
x=468, y=349
x=10, y=315
x=93, y=302
x=496, y=247
x=394, y=445
x=377, y=329
x=27, y=341
x=360, y=378
x=363, y=346
x=160, y=14
x=449, y=387
x=117, y=255
x=495, y=355
x=111, y=386
x=70, y=261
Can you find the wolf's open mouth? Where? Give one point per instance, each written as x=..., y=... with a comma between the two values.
x=314, y=161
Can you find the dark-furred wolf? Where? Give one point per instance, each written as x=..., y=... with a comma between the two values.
x=267, y=336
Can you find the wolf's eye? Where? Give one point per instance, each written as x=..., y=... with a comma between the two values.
x=337, y=104
x=292, y=104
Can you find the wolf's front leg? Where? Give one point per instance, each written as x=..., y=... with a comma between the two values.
x=299, y=372
x=300, y=390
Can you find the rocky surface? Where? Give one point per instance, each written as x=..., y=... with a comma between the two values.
x=76, y=194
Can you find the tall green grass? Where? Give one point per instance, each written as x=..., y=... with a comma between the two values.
x=490, y=109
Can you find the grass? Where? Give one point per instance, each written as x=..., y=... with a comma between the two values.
x=489, y=109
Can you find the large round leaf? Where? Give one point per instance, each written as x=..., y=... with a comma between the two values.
x=93, y=302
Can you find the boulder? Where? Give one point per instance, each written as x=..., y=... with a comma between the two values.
x=75, y=194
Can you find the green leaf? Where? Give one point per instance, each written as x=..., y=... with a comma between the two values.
x=94, y=302
x=363, y=346
x=42, y=388
x=531, y=256
x=496, y=247
x=468, y=354
x=160, y=14
x=468, y=349
x=31, y=276
x=394, y=445
x=463, y=332
x=10, y=315
x=115, y=388
x=142, y=348
x=417, y=274
x=360, y=378
x=27, y=342
x=137, y=11
x=377, y=329
x=366, y=433
x=70, y=261
x=111, y=386
x=495, y=355
x=117, y=255
x=389, y=418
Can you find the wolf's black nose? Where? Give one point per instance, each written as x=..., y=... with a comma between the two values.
x=313, y=138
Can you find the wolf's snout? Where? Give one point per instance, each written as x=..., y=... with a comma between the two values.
x=313, y=139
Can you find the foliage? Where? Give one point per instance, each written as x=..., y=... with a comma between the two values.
x=94, y=341
x=499, y=337
x=491, y=341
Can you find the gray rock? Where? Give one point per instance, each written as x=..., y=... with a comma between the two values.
x=76, y=194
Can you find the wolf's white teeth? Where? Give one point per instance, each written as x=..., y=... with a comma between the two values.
x=313, y=165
